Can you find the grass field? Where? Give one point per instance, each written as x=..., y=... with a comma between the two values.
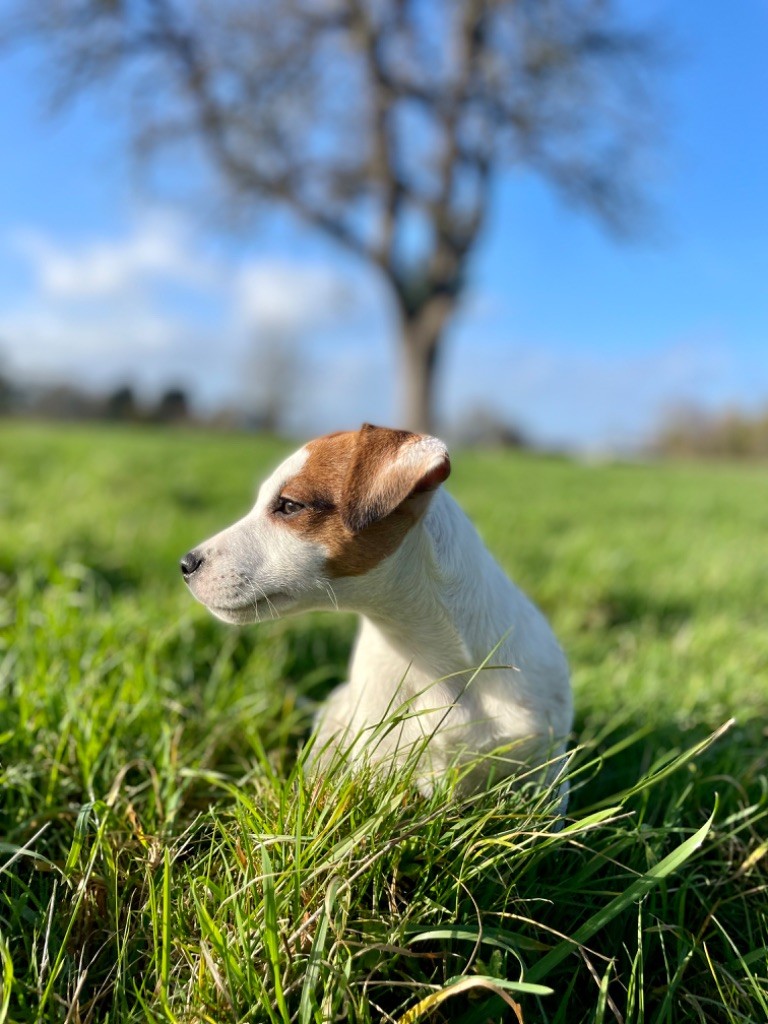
x=163, y=859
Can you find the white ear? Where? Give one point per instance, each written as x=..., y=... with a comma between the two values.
x=387, y=467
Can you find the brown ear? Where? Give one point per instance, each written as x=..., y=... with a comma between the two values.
x=387, y=466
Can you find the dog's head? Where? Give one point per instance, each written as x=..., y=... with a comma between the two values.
x=336, y=508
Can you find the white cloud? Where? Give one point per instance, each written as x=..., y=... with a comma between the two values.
x=159, y=247
x=49, y=339
x=101, y=347
x=153, y=306
x=289, y=298
x=97, y=312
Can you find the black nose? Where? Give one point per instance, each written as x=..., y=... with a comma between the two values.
x=190, y=563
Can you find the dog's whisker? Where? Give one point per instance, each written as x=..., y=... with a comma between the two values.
x=265, y=597
x=326, y=585
x=247, y=591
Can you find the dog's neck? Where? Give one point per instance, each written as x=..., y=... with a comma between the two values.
x=439, y=599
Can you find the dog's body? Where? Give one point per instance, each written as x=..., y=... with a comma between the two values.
x=450, y=653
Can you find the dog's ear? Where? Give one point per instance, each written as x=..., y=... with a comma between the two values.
x=388, y=466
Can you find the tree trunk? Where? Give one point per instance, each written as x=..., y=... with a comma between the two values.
x=417, y=396
x=421, y=334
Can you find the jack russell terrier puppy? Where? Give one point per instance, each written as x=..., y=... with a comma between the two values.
x=450, y=658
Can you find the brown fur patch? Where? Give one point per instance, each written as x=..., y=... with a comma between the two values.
x=355, y=508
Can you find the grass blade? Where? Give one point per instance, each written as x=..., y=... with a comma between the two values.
x=165, y=926
x=455, y=986
x=312, y=976
x=271, y=932
x=631, y=894
x=6, y=979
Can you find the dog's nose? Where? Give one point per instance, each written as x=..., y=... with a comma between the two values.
x=190, y=563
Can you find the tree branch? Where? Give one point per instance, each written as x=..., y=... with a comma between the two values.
x=385, y=159
x=213, y=122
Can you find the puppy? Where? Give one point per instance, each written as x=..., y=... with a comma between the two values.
x=451, y=658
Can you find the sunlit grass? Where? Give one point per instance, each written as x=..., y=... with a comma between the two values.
x=164, y=855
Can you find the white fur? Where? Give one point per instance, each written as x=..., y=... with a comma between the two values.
x=432, y=613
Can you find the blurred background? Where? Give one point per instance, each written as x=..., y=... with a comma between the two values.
x=536, y=223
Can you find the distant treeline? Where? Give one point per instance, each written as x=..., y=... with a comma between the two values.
x=685, y=432
x=694, y=432
x=480, y=426
x=66, y=401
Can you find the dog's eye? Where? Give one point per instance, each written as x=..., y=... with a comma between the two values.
x=286, y=507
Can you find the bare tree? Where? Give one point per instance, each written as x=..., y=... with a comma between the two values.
x=381, y=123
x=271, y=377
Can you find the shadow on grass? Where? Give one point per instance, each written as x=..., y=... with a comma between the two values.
x=618, y=607
x=731, y=771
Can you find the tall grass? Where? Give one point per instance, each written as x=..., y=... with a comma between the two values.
x=164, y=855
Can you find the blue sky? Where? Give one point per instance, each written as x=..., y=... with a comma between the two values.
x=578, y=337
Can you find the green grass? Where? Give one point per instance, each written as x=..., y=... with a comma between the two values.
x=162, y=857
